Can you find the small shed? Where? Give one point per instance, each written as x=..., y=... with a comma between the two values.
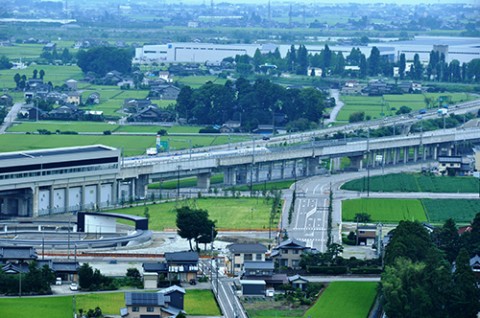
x=252, y=287
x=150, y=280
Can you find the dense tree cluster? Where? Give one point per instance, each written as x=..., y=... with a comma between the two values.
x=90, y=279
x=261, y=102
x=51, y=57
x=36, y=282
x=5, y=63
x=101, y=60
x=427, y=277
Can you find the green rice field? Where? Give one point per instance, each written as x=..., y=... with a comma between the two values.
x=344, y=299
x=384, y=210
x=414, y=182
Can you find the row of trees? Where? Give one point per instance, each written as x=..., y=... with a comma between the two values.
x=101, y=60
x=420, y=279
x=298, y=60
x=261, y=102
x=36, y=282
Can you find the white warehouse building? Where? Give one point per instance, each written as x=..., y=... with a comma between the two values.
x=196, y=52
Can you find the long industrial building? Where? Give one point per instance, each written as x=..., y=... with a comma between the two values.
x=58, y=180
x=462, y=49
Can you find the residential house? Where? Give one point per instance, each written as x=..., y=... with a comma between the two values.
x=263, y=271
x=17, y=254
x=74, y=98
x=152, y=113
x=239, y=253
x=165, y=76
x=230, y=126
x=132, y=105
x=66, y=112
x=6, y=100
x=32, y=113
x=288, y=253
x=366, y=234
x=93, y=98
x=298, y=282
x=164, y=92
x=168, y=302
x=182, y=265
x=50, y=47
x=352, y=88
x=453, y=165
x=72, y=84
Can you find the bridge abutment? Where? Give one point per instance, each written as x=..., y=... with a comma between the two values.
x=203, y=180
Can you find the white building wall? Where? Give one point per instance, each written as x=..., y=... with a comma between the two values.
x=106, y=194
x=74, y=198
x=99, y=224
x=43, y=202
x=59, y=201
x=90, y=197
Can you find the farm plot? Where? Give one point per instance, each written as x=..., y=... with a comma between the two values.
x=384, y=210
x=344, y=299
x=461, y=210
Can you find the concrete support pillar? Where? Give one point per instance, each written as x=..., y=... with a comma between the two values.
x=257, y=172
x=67, y=198
x=203, y=180
x=98, y=198
x=405, y=155
x=82, y=198
x=356, y=162
x=230, y=176
x=415, y=153
x=50, y=200
x=374, y=158
x=270, y=171
x=394, y=156
x=294, y=169
x=141, y=184
x=435, y=152
x=304, y=167
x=242, y=174
x=282, y=170
x=35, y=201
x=312, y=164
x=336, y=163
x=114, y=192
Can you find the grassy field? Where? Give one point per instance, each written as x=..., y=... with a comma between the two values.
x=197, y=302
x=131, y=145
x=404, y=182
x=461, y=210
x=277, y=185
x=384, y=210
x=375, y=106
x=230, y=213
x=344, y=299
x=197, y=81
x=274, y=313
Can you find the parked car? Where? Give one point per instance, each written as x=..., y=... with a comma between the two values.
x=74, y=286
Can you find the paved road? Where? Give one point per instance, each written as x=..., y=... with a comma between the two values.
x=11, y=116
x=309, y=221
x=335, y=93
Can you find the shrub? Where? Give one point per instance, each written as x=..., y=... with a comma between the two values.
x=329, y=270
x=366, y=270
x=107, y=132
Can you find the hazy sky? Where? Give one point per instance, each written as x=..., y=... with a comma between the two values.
x=327, y=2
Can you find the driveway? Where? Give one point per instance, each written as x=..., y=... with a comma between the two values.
x=10, y=118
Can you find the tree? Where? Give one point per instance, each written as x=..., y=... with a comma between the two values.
x=292, y=58
x=402, y=66
x=302, y=61
x=374, y=62
x=466, y=294
x=362, y=217
x=447, y=239
x=35, y=73
x=85, y=276
x=17, y=78
x=363, y=66
x=42, y=74
x=403, y=110
x=101, y=60
x=5, y=63
x=192, y=224
x=356, y=117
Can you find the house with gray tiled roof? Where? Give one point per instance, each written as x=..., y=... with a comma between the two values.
x=288, y=253
x=167, y=302
x=238, y=254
